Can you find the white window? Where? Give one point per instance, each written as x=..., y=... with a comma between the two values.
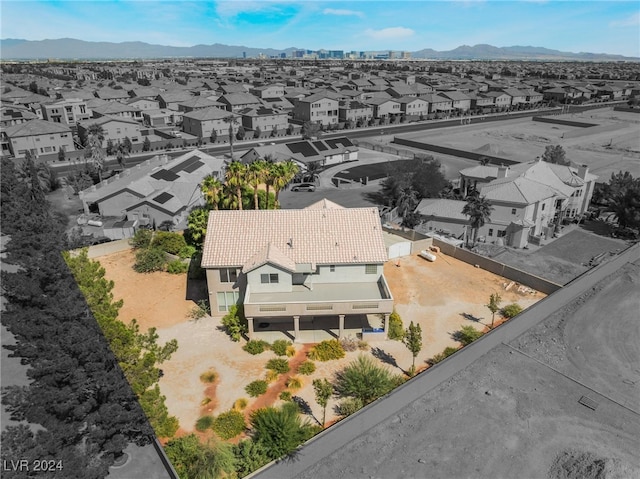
x=269, y=278
x=227, y=299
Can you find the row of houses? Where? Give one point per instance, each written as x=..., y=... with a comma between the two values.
x=207, y=109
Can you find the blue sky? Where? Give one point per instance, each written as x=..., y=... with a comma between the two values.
x=608, y=26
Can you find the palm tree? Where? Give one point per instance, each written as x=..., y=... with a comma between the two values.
x=270, y=172
x=407, y=200
x=284, y=173
x=232, y=120
x=479, y=211
x=211, y=188
x=95, y=138
x=236, y=179
x=256, y=172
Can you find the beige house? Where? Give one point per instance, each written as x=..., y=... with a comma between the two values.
x=115, y=129
x=40, y=137
x=203, y=122
x=299, y=271
x=68, y=111
x=317, y=108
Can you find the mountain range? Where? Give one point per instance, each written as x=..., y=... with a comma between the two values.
x=72, y=49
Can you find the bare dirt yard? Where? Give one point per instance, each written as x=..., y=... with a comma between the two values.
x=523, y=140
x=562, y=401
x=435, y=295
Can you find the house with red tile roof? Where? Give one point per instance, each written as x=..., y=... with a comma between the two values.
x=299, y=271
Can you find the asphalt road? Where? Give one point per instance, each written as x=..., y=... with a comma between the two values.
x=350, y=428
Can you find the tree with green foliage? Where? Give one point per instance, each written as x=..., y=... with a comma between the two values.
x=95, y=137
x=149, y=260
x=555, y=154
x=255, y=174
x=146, y=144
x=323, y=390
x=235, y=179
x=413, y=341
x=193, y=459
x=311, y=129
x=141, y=239
x=364, y=379
x=511, y=310
x=395, y=329
x=479, y=211
x=197, y=226
x=280, y=430
x=168, y=241
x=250, y=456
x=229, y=424
x=494, y=305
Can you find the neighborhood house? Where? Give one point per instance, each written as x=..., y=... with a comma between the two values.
x=298, y=271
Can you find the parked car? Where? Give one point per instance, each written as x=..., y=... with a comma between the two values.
x=304, y=187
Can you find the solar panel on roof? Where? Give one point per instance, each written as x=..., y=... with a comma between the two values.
x=165, y=175
x=193, y=166
x=320, y=146
x=185, y=164
x=302, y=147
x=162, y=198
x=345, y=142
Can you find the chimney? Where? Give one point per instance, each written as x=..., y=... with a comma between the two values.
x=582, y=171
x=503, y=171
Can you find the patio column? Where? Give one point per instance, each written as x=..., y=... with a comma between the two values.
x=296, y=328
x=340, y=325
x=250, y=328
x=386, y=326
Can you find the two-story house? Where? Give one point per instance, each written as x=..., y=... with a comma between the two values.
x=300, y=271
x=203, y=122
x=355, y=112
x=317, y=108
x=40, y=137
x=385, y=108
x=459, y=101
x=267, y=120
x=68, y=111
x=413, y=107
x=115, y=129
x=116, y=109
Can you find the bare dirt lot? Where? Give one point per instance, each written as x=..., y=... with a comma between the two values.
x=435, y=295
x=516, y=411
x=524, y=139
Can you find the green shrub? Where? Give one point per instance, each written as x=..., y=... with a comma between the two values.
x=240, y=404
x=271, y=375
x=256, y=388
x=235, y=323
x=285, y=395
x=149, y=260
x=177, y=267
x=511, y=310
x=200, y=310
x=307, y=368
x=348, y=406
x=187, y=251
x=448, y=351
x=256, y=346
x=467, y=335
x=278, y=365
x=294, y=382
x=326, y=351
x=363, y=345
x=208, y=376
x=141, y=239
x=229, y=424
x=280, y=346
x=168, y=241
x=366, y=379
x=396, y=329
x=204, y=423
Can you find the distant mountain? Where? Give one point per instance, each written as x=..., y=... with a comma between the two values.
x=489, y=52
x=72, y=49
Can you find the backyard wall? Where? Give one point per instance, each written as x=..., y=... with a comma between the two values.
x=558, y=121
x=495, y=267
x=594, y=129
x=445, y=150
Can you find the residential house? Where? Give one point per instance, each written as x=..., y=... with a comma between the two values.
x=116, y=109
x=15, y=115
x=40, y=137
x=239, y=101
x=199, y=103
x=268, y=120
x=414, y=108
x=355, y=111
x=317, y=108
x=317, y=268
x=500, y=99
x=385, y=108
x=203, y=122
x=480, y=102
x=274, y=90
x=442, y=216
x=111, y=94
x=115, y=129
x=171, y=99
x=517, y=96
x=438, y=103
x=159, y=118
x=460, y=101
x=68, y=111
x=155, y=191
x=143, y=104
x=329, y=151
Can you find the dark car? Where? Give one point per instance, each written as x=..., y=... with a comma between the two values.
x=304, y=187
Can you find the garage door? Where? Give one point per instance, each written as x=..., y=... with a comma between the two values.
x=399, y=249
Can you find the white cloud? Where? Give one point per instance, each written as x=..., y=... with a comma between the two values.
x=389, y=33
x=342, y=12
x=630, y=21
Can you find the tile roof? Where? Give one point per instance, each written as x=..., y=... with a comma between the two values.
x=442, y=208
x=212, y=113
x=36, y=127
x=269, y=254
x=518, y=190
x=313, y=235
